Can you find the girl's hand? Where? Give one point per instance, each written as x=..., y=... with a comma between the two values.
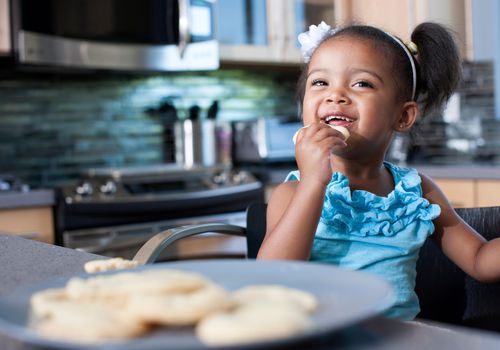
x=314, y=144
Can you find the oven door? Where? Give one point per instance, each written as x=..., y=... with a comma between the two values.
x=125, y=240
x=163, y=35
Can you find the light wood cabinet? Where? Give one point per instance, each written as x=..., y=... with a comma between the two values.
x=488, y=193
x=34, y=223
x=460, y=192
x=400, y=17
x=5, y=46
x=463, y=193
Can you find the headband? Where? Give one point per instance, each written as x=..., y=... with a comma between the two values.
x=412, y=62
x=310, y=40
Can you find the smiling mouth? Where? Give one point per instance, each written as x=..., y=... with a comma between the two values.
x=339, y=120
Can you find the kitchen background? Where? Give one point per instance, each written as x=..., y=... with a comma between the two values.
x=57, y=123
x=54, y=127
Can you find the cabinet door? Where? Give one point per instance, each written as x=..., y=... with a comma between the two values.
x=4, y=28
x=400, y=17
x=33, y=223
x=460, y=193
x=265, y=31
x=488, y=193
x=243, y=31
x=394, y=16
x=304, y=13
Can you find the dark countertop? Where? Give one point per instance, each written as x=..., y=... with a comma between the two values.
x=32, y=198
x=24, y=262
x=469, y=171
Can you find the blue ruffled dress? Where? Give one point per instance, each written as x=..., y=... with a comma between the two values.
x=380, y=235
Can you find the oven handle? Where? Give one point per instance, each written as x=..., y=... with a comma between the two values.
x=150, y=251
x=184, y=36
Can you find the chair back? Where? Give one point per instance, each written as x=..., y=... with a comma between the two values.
x=446, y=293
x=256, y=227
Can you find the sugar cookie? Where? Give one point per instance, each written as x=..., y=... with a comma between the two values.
x=125, y=283
x=345, y=132
x=276, y=294
x=178, y=309
x=341, y=129
x=109, y=264
x=251, y=323
x=88, y=321
x=44, y=303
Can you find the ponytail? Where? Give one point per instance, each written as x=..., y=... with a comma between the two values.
x=440, y=68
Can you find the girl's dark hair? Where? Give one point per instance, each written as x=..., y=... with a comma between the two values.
x=437, y=62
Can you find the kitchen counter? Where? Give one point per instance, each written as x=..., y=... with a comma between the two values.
x=24, y=262
x=32, y=198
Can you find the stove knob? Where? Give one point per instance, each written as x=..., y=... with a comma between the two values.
x=4, y=185
x=85, y=189
x=220, y=178
x=239, y=177
x=108, y=188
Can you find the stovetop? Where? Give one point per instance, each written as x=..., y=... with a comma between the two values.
x=141, y=183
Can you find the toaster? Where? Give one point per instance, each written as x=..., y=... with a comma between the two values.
x=264, y=140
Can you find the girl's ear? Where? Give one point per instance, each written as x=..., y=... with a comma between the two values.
x=407, y=118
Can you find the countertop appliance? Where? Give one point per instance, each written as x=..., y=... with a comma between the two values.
x=113, y=211
x=139, y=35
x=264, y=140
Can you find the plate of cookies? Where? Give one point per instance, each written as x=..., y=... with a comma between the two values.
x=194, y=304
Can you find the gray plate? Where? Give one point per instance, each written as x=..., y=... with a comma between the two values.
x=345, y=297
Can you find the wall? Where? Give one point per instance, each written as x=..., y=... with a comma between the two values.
x=52, y=127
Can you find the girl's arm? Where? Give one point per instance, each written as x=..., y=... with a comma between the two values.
x=295, y=207
x=477, y=257
x=292, y=217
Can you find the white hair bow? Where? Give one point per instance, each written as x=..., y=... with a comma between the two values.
x=310, y=40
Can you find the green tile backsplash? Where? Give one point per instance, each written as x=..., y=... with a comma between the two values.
x=53, y=128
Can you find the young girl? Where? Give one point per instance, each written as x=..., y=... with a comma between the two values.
x=345, y=205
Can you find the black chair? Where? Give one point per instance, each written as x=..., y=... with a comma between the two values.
x=446, y=293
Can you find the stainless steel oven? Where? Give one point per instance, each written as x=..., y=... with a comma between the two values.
x=114, y=211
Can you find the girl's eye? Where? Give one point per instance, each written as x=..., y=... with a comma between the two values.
x=362, y=83
x=319, y=82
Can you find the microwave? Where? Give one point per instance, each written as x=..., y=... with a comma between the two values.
x=137, y=35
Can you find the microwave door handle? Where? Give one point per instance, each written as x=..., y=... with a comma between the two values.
x=184, y=35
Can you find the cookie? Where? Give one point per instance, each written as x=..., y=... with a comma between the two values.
x=275, y=294
x=341, y=129
x=43, y=303
x=88, y=321
x=108, y=265
x=122, y=285
x=252, y=323
x=178, y=309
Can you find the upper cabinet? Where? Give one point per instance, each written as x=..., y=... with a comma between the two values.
x=5, y=46
x=265, y=31
x=400, y=16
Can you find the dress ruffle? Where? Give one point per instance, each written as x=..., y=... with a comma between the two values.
x=362, y=213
